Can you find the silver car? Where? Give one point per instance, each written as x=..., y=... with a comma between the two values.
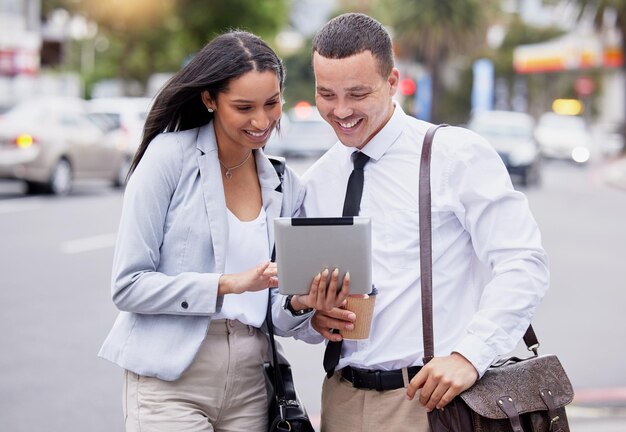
x=50, y=142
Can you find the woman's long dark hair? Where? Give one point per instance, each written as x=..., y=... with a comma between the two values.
x=178, y=105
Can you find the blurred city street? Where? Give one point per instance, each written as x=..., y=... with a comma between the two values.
x=536, y=78
x=55, y=307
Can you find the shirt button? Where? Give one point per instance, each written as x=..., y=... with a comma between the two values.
x=184, y=305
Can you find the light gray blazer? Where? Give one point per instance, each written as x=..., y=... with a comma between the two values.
x=171, y=248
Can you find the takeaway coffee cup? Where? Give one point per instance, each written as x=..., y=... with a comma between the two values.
x=363, y=308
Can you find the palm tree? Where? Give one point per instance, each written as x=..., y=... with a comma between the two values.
x=431, y=31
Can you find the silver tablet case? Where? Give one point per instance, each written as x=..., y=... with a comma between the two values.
x=306, y=246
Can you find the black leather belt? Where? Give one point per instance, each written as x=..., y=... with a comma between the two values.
x=376, y=379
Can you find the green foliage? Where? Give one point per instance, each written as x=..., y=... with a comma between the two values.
x=300, y=83
x=431, y=31
x=149, y=36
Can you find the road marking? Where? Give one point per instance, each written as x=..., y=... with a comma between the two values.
x=88, y=244
x=19, y=206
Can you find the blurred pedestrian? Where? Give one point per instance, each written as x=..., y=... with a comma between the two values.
x=191, y=264
x=490, y=270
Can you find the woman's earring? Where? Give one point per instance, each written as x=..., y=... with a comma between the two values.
x=210, y=110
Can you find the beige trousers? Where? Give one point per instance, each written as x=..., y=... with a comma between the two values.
x=223, y=390
x=346, y=409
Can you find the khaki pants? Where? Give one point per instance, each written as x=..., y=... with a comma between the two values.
x=345, y=408
x=223, y=389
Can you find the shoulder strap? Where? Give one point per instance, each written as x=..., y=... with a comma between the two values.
x=279, y=164
x=426, y=259
x=426, y=244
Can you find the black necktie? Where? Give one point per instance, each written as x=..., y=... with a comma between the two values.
x=351, y=205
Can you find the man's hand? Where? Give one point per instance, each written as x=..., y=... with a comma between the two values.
x=337, y=318
x=441, y=380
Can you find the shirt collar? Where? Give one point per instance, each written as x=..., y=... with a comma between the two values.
x=380, y=142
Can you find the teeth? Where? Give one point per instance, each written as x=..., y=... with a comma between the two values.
x=349, y=125
x=256, y=134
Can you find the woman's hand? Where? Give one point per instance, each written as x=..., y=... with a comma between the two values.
x=255, y=279
x=322, y=295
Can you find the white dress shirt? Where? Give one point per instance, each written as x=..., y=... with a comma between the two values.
x=489, y=268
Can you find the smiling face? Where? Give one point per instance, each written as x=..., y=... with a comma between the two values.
x=247, y=112
x=353, y=97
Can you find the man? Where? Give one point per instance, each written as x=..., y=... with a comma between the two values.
x=489, y=268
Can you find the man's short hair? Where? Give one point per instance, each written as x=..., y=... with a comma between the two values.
x=352, y=33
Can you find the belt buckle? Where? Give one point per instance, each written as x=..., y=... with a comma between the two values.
x=378, y=381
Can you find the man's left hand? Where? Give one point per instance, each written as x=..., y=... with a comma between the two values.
x=441, y=380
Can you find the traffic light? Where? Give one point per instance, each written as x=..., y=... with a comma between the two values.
x=407, y=87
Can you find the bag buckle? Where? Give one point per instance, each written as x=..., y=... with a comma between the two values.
x=554, y=420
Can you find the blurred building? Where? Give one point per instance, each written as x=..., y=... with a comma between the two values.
x=583, y=50
x=20, y=37
x=27, y=46
x=20, y=44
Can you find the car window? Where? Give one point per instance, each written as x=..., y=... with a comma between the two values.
x=501, y=130
x=26, y=113
x=562, y=122
x=104, y=121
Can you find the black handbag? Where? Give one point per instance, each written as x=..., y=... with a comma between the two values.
x=286, y=412
x=514, y=394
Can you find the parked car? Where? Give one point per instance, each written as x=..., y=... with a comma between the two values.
x=303, y=133
x=564, y=137
x=128, y=114
x=512, y=135
x=50, y=142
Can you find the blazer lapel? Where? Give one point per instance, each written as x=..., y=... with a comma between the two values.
x=213, y=192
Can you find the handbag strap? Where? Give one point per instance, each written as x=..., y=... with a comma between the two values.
x=426, y=259
x=279, y=387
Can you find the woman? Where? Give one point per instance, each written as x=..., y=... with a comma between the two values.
x=191, y=263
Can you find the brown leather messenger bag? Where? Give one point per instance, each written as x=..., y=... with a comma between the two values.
x=514, y=394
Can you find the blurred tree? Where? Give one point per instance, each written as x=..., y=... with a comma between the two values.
x=430, y=31
x=300, y=83
x=141, y=37
x=520, y=33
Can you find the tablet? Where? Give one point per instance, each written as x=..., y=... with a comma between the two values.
x=307, y=246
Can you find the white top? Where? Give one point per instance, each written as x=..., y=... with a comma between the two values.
x=247, y=247
x=490, y=270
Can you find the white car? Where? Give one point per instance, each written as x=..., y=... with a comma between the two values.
x=303, y=133
x=127, y=114
x=564, y=137
x=512, y=135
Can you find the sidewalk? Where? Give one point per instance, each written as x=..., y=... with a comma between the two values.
x=614, y=174
x=588, y=419
x=598, y=410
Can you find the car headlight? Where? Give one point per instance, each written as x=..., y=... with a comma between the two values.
x=581, y=154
